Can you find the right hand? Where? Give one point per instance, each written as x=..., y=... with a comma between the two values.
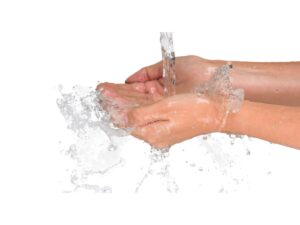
x=191, y=71
x=175, y=119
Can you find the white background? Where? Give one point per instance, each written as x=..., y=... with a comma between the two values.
x=46, y=43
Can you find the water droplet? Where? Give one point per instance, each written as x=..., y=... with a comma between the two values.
x=248, y=152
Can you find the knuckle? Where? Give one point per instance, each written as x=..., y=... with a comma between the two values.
x=101, y=86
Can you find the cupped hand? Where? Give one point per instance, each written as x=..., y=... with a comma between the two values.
x=174, y=119
x=118, y=99
x=191, y=71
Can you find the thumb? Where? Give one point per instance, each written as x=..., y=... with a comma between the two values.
x=145, y=115
x=153, y=72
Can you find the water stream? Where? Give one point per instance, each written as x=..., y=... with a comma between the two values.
x=159, y=158
x=168, y=59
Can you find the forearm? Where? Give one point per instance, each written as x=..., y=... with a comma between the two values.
x=274, y=83
x=274, y=123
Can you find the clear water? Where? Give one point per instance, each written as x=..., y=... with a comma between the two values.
x=96, y=149
x=219, y=89
x=159, y=165
x=168, y=59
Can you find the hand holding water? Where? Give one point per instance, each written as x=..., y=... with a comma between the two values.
x=175, y=119
x=191, y=71
x=272, y=114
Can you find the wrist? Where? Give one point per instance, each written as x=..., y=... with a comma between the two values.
x=236, y=123
x=205, y=68
x=211, y=66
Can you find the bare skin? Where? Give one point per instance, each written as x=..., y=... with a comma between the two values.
x=119, y=99
x=184, y=116
x=274, y=83
x=166, y=121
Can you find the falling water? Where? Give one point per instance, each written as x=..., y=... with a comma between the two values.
x=159, y=165
x=168, y=58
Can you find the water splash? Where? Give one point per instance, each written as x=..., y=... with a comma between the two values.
x=168, y=58
x=96, y=149
x=219, y=88
x=159, y=166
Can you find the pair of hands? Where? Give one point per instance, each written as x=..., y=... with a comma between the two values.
x=163, y=121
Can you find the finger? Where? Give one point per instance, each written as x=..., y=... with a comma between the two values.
x=153, y=93
x=132, y=101
x=133, y=97
x=145, y=115
x=150, y=87
x=156, y=134
x=138, y=87
x=153, y=87
x=135, y=88
x=122, y=101
x=152, y=97
x=102, y=86
x=130, y=93
x=106, y=89
x=148, y=73
x=119, y=90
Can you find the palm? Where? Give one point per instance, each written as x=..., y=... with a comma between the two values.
x=146, y=86
x=190, y=71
